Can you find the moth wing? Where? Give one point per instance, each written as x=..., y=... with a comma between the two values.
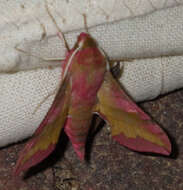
x=46, y=136
x=130, y=126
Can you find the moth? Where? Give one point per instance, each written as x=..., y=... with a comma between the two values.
x=89, y=87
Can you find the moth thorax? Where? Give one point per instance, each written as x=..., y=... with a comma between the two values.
x=85, y=40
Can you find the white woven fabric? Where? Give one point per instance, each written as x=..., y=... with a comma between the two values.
x=145, y=37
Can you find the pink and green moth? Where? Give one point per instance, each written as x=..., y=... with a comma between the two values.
x=89, y=87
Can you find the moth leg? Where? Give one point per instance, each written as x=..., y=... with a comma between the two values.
x=42, y=37
x=117, y=66
x=60, y=33
x=116, y=69
x=44, y=34
x=38, y=57
x=45, y=98
x=112, y=61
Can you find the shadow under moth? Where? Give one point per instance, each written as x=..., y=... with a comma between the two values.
x=89, y=87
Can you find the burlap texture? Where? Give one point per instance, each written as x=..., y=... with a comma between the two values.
x=146, y=38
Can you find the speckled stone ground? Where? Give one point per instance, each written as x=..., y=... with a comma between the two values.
x=109, y=166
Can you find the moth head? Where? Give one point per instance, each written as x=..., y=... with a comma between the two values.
x=84, y=41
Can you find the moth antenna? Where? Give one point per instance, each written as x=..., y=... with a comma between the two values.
x=61, y=34
x=38, y=57
x=85, y=23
